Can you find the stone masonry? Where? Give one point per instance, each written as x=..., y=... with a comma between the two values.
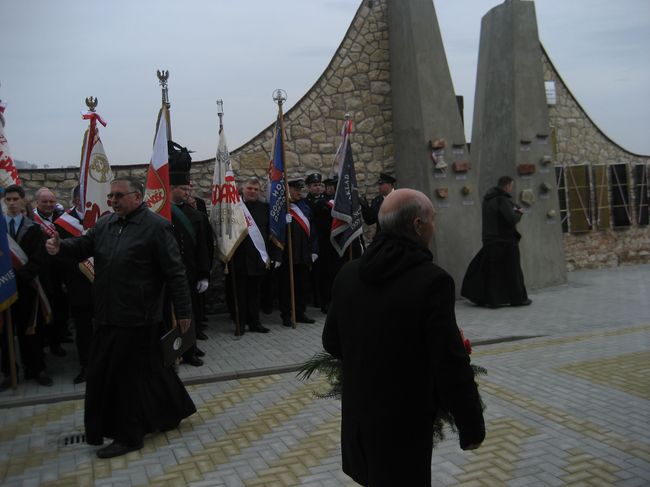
x=578, y=140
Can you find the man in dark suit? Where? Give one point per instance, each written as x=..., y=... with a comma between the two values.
x=315, y=196
x=25, y=311
x=304, y=251
x=45, y=214
x=328, y=257
x=392, y=323
x=248, y=265
x=198, y=203
x=370, y=212
x=78, y=285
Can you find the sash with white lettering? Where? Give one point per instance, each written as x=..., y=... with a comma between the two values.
x=46, y=225
x=300, y=218
x=73, y=226
x=256, y=235
x=18, y=260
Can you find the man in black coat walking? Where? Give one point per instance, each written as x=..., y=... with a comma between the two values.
x=494, y=277
x=392, y=323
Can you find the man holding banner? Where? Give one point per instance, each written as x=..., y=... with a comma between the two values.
x=250, y=262
x=28, y=258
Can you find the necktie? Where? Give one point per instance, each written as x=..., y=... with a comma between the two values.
x=12, y=228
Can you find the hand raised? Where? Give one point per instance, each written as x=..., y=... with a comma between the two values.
x=53, y=244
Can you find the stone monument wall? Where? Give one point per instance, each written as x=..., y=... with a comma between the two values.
x=579, y=141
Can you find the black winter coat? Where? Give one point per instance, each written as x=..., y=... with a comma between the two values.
x=392, y=323
x=134, y=258
x=499, y=217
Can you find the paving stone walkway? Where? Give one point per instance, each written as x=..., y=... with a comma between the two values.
x=570, y=406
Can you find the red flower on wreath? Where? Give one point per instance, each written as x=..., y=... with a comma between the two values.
x=466, y=342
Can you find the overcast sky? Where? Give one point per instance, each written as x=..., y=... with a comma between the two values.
x=55, y=53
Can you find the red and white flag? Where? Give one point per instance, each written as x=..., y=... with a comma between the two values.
x=95, y=174
x=157, y=192
x=227, y=213
x=69, y=223
x=18, y=260
x=8, y=171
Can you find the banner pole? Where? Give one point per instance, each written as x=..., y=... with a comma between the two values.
x=289, y=242
x=12, y=350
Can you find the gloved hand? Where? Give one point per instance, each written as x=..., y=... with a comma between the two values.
x=202, y=286
x=314, y=257
x=276, y=264
x=289, y=218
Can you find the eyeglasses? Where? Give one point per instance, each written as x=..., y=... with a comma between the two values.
x=119, y=196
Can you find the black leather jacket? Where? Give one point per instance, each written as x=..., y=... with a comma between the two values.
x=134, y=258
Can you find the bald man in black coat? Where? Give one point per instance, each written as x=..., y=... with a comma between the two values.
x=392, y=323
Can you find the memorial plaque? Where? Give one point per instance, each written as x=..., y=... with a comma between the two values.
x=525, y=169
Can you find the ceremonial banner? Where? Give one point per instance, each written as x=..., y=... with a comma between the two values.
x=95, y=174
x=227, y=213
x=277, y=192
x=346, y=210
x=8, y=292
x=157, y=192
x=8, y=171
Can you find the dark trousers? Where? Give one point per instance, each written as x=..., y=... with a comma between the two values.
x=316, y=274
x=300, y=277
x=248, y=298
x=83, y=324
x=56, y=330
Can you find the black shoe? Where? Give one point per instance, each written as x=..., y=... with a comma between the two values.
x=43, y=379
x=81, y=376
x=116, y=449
x=287, y=322
x=200, y=335
x=305, y=319
x=193, y=360
x=522, y=303
x=258, y=329
x=58, y=351
x=199, y=353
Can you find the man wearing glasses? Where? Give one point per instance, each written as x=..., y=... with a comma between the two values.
x=129, y=392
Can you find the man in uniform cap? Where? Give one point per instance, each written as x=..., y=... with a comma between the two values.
x=189, y=230
x=304, y=248
x=314, y=182
x=370, y=211
x=330, y=186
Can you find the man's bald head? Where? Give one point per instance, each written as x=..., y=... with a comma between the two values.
x=45, y=201
x=409, y=213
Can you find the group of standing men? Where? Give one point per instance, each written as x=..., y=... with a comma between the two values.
x=50, y=290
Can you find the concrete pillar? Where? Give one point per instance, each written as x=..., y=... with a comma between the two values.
x=511, y=134
x=425, y=109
